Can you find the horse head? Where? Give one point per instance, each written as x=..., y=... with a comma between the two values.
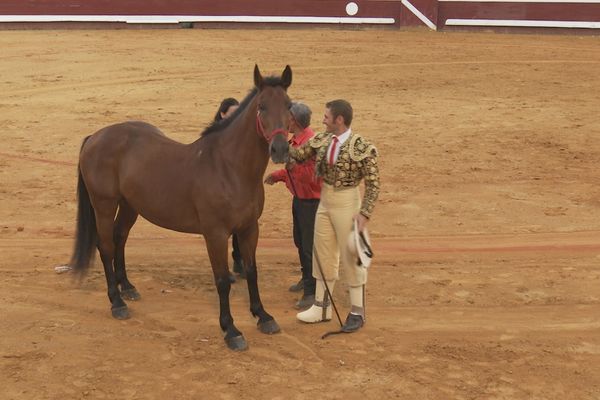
x=273, y=112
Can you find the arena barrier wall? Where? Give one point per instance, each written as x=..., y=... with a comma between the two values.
x=434, y=14
x=532, y=14
x=373, y=12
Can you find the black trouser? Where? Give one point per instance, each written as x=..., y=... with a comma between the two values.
x=236, y=255
x=303, y=213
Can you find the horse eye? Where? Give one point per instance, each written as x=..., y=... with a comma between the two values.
x=262, y=107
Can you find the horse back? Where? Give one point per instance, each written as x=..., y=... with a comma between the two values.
x=135, y=161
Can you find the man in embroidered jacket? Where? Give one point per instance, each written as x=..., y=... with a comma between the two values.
x=343, y=159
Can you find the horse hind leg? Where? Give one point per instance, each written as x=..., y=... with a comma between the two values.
x=126, y=217
x=105, y=210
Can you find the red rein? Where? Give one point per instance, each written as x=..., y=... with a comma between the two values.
x=260, y=129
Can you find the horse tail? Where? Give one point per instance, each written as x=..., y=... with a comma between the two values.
x=86, y=237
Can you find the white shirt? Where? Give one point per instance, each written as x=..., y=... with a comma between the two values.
x=341, y=140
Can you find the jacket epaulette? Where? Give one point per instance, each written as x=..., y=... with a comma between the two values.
x=359, y=148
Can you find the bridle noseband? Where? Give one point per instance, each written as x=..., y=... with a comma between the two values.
x=260, y=130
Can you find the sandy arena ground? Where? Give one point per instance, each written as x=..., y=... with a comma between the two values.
x=486, y=283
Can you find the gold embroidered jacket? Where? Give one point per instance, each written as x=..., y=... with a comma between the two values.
x=357, y=160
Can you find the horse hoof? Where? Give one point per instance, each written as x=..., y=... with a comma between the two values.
x=130, y=294
x=237, y=343
x=269, y=327
x=120, y=312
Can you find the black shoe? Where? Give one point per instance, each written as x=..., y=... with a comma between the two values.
x=297, y=287
x=305, y=302
x=353, y=323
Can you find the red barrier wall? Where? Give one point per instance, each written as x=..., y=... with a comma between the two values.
x=331, y=8
x=436, y=14
x=428, y=8
x=520, y=11
x=522, y=14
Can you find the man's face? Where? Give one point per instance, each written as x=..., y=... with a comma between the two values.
x=329, y=122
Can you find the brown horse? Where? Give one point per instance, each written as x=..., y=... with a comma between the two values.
x=212, y=186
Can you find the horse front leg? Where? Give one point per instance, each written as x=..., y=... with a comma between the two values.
x=248, y=241
x=216, y=245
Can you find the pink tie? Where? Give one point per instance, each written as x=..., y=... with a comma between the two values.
x=333, y=147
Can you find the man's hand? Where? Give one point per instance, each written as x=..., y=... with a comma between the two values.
x=269, y=180
x=361, y=221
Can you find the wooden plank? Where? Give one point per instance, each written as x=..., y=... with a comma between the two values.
x=429, y=9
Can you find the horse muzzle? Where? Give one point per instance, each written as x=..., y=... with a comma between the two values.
x=279, y=148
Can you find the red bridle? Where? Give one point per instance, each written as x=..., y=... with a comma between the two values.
x=260, y=130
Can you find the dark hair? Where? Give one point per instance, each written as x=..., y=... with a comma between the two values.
x=225, y=104
x=340, y=107
x=221, y=124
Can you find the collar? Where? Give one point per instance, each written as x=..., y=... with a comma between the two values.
x=344, y=136
x=302, y=137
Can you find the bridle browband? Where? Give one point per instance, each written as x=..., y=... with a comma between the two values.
x=260, y=130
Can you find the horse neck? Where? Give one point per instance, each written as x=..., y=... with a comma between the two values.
x=249, y=149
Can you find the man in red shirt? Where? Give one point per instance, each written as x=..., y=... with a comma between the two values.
x=303, y=184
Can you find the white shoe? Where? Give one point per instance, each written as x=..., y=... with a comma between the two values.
x=315, y=314
x=318, y=312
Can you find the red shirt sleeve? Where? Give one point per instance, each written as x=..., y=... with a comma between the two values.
x=307, y=184
x=279, y=175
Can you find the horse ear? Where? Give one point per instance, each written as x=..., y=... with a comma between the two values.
x=286, y=77
x=258, y=79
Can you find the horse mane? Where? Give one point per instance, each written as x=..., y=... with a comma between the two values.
x=218, y=126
